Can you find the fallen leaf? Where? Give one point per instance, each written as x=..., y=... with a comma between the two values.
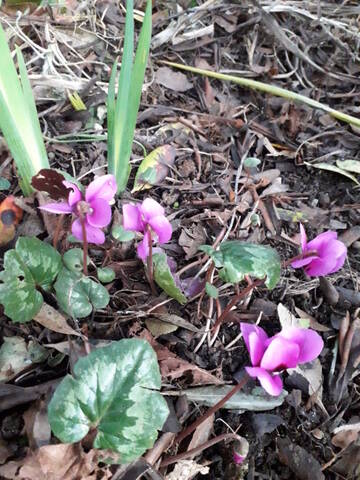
x=176, y=81
x=37, y=426
x=53, y=320
x=287, y=319
x=191, y=238
x=10, y=216
x=50, y=181
x=172, y=367
x=187, y=470
x=334, y=169
x=53, y=462
x=312, y=372
x=349, y=165
x=258, y=400
x=14, y=357
x=314, y=324
x=302, y=463
x=202, y=433
x=345, y=435
x=154, y=168
x=158, y=327
x=176, y=320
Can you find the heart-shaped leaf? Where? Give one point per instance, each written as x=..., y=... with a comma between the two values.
x=32, y=264
x=106, y=274
x=165, y=279
x=113, y=391
x=237, y=259
x=79, y=295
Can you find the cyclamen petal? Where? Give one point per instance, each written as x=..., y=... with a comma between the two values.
x=151, y=208
x=162, y=228
x=132, y=218
x=93, y=234
x=101, y=213
x=102, y=187
x=310, y=343
x=61, y=207
x=272, y=384
x=255, y=338
x=143, y=247
x=280, y=354
x=75, y=194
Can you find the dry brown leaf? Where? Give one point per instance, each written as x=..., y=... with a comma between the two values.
x=191, y=238
x=37, y=425
x=202, y=433
x=176, y=81
x=172, y=367
x=53, y=462
x=53, y=320
x=345, y=435
x=187, y=470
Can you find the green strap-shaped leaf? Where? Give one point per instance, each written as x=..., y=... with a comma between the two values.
x=113, y=391
x=164, y=278
x=78, y=295
x=31, y=266
x=237, y=259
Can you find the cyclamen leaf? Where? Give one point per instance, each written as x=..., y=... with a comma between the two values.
x=237, y=259
x=31, y=264
x=74, y=260
x=79, y=295
x=113, y=390
x=164, y=278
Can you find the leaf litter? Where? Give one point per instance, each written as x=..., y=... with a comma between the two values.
x=211, y=127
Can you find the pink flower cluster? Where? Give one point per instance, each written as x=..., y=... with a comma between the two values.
x=287, y=349
x=146, y=217
x=93, y=207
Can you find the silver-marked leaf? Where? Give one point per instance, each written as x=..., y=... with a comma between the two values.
x=74, y=260
x=78, y=296
x=114, y=392
x=237, y=259
x=105, y=274
x=31, y=264
x=164, y=278
x=14, y=357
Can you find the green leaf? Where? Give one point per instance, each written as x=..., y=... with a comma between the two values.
x=349, y=165
x=154, y=167
x=113, y=391
x=74, y=260
x=106, y=274
x=78, y=296
x=4, y=183
x=18, y=117
x=212, y=291
x=123, y=111
x=332, y=168
x=237, y=259
x=164, y=278
x=251, y=162
x=31, y=264
x=122, y=235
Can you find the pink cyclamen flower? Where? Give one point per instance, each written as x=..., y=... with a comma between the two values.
x=142, y=217
x=329, y=254
x=287, y=349
x=237, y=458
x=94, y=207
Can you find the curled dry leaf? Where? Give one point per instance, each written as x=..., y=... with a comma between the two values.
x=37, y=426
x=50, y=181
x=172, y=367
x=176, y=81
x=345, y=435
x=53, y=320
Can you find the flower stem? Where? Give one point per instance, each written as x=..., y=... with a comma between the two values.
x=212, y=410
x=235, y=300
x=149, y=262
x=194, y=451
x=85, y=245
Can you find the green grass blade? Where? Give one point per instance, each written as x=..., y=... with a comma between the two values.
x=118, y=164
x=272, y=89
x=111, y=110
x=121, y=133
x=18, y=118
